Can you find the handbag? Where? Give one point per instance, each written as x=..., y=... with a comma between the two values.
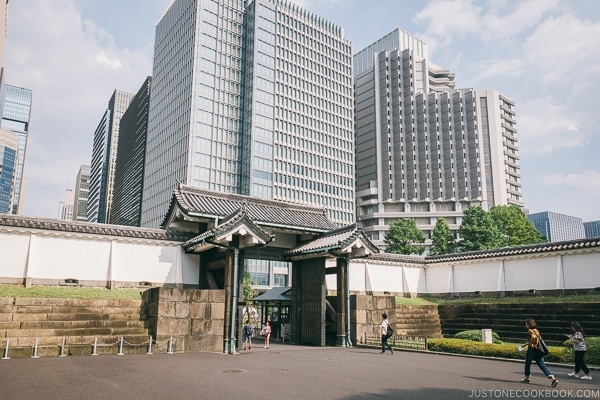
x=542, y=348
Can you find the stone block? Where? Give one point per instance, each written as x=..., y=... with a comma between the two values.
x=217, y=311
x=217, y=296
x=166, y=309
x=182, y=310
x=361, y=316
x=199, y=295
x=7, y=301
x=198, y=310
x=173, y=326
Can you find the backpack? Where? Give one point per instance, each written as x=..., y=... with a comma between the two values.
x=389, y=331
x=248, y=329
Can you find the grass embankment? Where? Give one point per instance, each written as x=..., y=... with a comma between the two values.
x=68, y=292
x=586, y=298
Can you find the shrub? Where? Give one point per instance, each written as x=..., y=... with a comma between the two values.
x=592, y=356
x=469, y=347
x=476, y=336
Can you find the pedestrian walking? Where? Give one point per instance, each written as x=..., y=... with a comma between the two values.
x=579, y=347
x=248, y=330
x=533, y=340
x=266, y=333
x=384, y=334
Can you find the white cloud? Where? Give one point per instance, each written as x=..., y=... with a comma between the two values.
x=587, y=182
x=72, y=66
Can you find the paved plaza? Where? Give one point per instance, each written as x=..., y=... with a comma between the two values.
x=282, y=372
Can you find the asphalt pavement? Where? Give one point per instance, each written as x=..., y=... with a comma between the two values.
x=282, y=372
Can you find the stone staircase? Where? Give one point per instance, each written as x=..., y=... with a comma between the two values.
x=417, y=320
x=84, y=325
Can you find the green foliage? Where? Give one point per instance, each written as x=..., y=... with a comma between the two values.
x=248, y=288
x=592, y=356
x=403, y=237
x=475, y=335
x=442, y=240
x=516, y=228
x=478, y=231
x=510, y=351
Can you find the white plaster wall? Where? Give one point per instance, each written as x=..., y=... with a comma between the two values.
x=13, y=255
x=484, y=277
x=414, y=279
x=357, y=277
x=133, y=262
x=62, y=258
x=438, y=279
x=537, y=273
x=582, y=270
x=382, y=278
x=190, y=266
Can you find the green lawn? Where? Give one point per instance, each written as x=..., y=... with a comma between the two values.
x=68, y=292
x=587, y=298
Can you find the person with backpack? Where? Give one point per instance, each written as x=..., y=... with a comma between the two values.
x=386, y=332
x=533, y=353
x=248, y=330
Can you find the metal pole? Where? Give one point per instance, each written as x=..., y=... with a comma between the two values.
x=6, y=357
x=35, y=349
x=62, y=348
x=348, y=337
x=233, y=302
x=170, y=351
x=95, y=346
x=120, y=353
x=150, y=345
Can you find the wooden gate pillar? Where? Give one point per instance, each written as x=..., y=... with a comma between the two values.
x=342, y=301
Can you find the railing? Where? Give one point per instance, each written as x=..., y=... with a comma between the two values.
x=398, y=341
x=166, y=347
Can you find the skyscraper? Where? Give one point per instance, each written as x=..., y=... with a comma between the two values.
x=9, y=146
x=253, y=98
x=104, y=154
x=129, y=167
x=592, y=229
x=558, y=227
x=16, y=114
x=425, y=150
x=66, y=211
x=81, y=194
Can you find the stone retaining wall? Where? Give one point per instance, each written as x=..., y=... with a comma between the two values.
x=195, y=319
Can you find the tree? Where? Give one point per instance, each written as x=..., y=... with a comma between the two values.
x=516, y=227
x=403, y=237
x=442, y=240
x=249, y=313
x=478, y=231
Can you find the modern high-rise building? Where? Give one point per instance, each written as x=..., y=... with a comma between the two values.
x=425, y=150
x=558, y=227
x=16, y=114
x=66, y=211
x=9, y=146
x=104, y=155
x=253, y=98
x=592, y=229
x=126, y=205
x=81, y=194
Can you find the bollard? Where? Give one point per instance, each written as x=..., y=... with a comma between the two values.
x=150, y=345
x=95, y=346
x=35, y=349
x=170, y=345
x=6, y=357
x=120, y=353
x=62, y=348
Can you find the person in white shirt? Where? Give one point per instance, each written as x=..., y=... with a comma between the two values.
x=579, y=347
x=384, y=337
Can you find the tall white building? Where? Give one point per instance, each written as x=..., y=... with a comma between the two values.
x=425, y=150
x=254, y=98
x=82, y=191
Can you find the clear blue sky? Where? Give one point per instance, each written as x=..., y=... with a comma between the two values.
x=543, y=54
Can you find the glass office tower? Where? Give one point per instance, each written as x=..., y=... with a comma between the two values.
x=250, y=97
x=82, y=191
x=9, y=145
x=16, y=114
x=104, y=156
